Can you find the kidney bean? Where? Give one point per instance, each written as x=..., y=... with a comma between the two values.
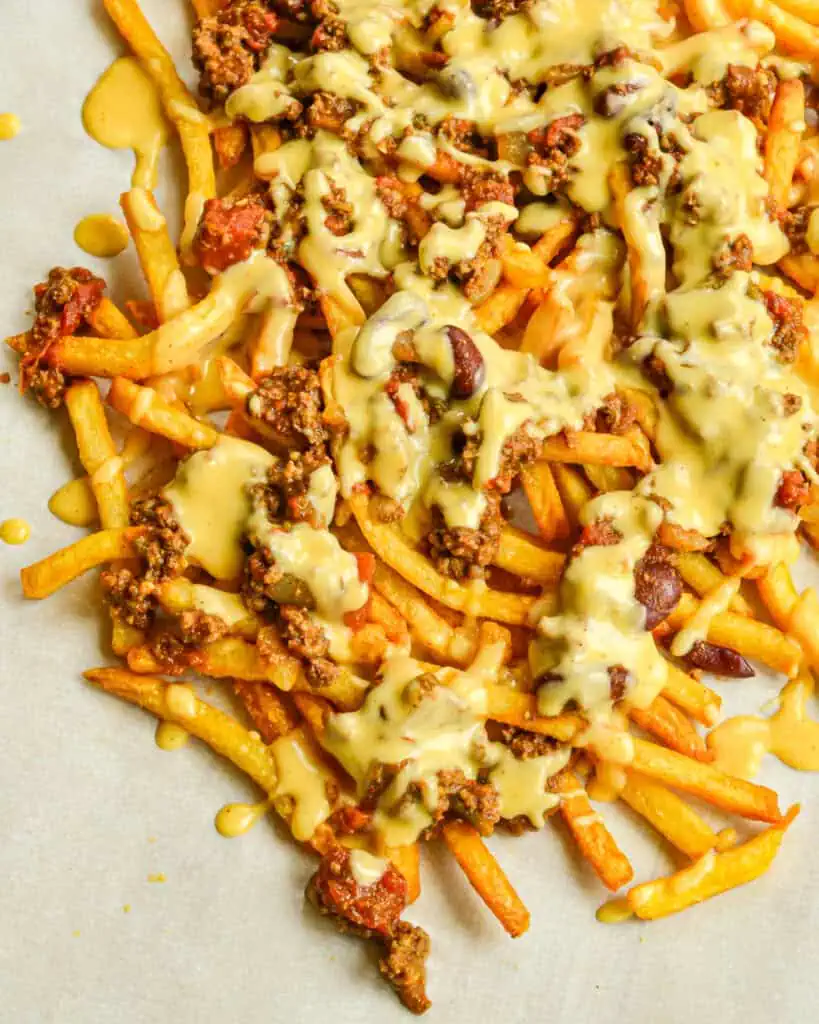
x=658, y=588
x=722, y=661
x=470, y=369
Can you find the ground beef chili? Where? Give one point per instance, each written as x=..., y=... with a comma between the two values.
x=460, y=797
x=305, y=639
x=283, y=495
x=793, y=490
x=230, y=230
x=61, y=305
x=163, y=544
x=228, y=47
x=789, y=329
x=373, y=912
x=462, y=552
x=288, y=401
x=132, y=598
x=748, y=90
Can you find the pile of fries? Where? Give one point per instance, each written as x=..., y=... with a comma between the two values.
x=570, y=312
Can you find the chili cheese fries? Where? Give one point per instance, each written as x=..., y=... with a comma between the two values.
x=470, y=420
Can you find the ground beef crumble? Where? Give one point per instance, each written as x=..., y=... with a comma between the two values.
x=789, y=329
x=463, y=552
x=288, y=401
x=228, y=47
x=61, y=304
x=163, y=545
x=283, y=495
x=230, y=230
x=132, y=598
x=748, y=90
x=373, y=912
x=305, y=639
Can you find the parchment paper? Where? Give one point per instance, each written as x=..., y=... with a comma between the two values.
x=89, y=807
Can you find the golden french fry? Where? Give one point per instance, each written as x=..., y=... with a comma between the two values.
x=522, y=266
x=704, y=15
x=109, y=322
x=758, y=803
x=544, y=500
x=663, y=720
x=575, y=491
x=97, y=453
x=229, y=140
x=803, y=269
x=703, y=576
x=486, y=876
x=520, y=553
x=786, y=126
x=146, y=408
x=710, y=875
x=500, y=308
x=514, y=707
x=599, y=449
x=792, y=33
x=177, y=703
x=591, y=835
x=181, y=108
x=695, y=699
x=156, y=253
x=408, y=861
x=640, y=225
x=751, y=638
x=103, y=357
x=47, y=576
x=778, y=594
x=671, y=816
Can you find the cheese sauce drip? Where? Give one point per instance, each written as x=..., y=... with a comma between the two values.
x=415, y=726
x=101, y=235
x=601, y=625
x=123, y=111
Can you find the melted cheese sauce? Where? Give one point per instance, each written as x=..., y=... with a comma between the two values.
x=416, y=730
x=9, y=127
x=235, y=820
x=170, y=736
x=740, y=744
x=101, y=235
x=14, y=531
x=123, y=111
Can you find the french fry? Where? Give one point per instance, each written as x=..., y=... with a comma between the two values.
x=390, y=546
x=408, y=861
x=146, y=408
x=103, y=357
x=552, y=242
x=695, y=699
x=803, y=269
x=545, y=502
x=646, y=254
x=597, y=449
x=522, y=266
x=671, y=816
x=514, y=707
x=519, y=553
x=575, y=491
x=792, y=33
x=47, y=576
x=710, y=875
x=704, y=15
x=267, y=709
x=703, y=780
x=786, y=126
x=778, y=594
x=609, y=478
x=502, y=306
x=205, y=8
x=382, y=612
x=663, y=720
x=156, y=253
x=486, y=876
x=703, y=576
x=594, y=840
x=181, y=108
x=174, y=702
x=271, y=343
x=109, y=322
x=806, y=9
x=98, y=454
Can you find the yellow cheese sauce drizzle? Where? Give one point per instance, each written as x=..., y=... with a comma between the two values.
x=123, y=111
x=101, y=235
x=9, y=127
x=14, y=531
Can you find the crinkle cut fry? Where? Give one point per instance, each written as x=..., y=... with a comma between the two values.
x=594, y=840
x=486, y=876
x=710, y=875
x=181, y=108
